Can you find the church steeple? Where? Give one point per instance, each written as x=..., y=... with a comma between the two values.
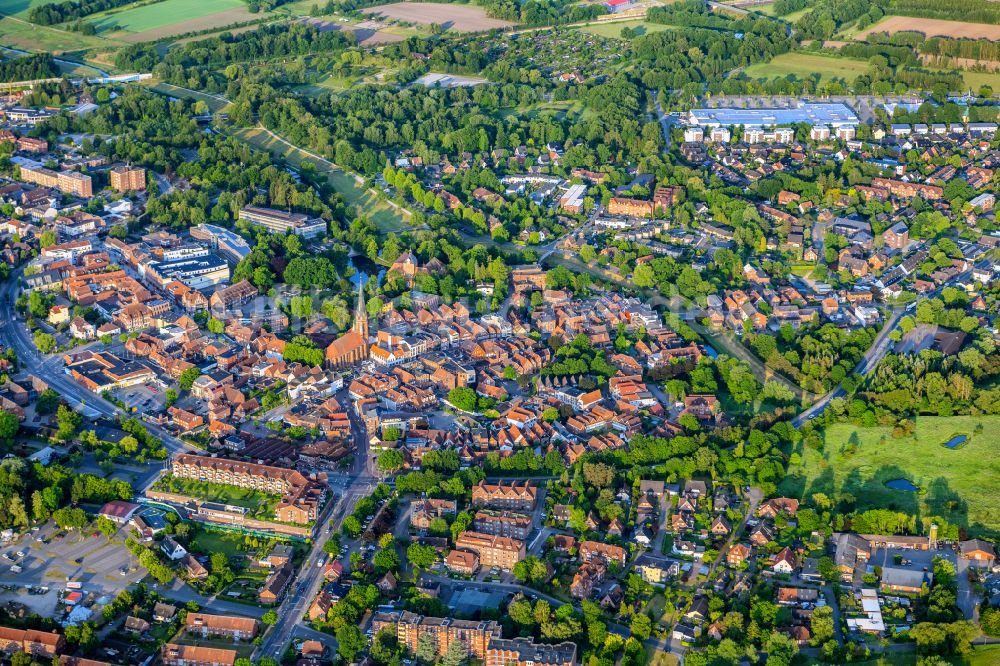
x=360, y=312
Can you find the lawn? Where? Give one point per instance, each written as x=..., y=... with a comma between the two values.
x=976, y=79
x=207, y=542
x=386, y=217
x=957, y=484
x=149, y=17
x=614, y=29
x=804, y=65
x=661, y=658
x=259, y=505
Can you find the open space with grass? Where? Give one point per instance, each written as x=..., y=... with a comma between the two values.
x=383, y=214
x=614, y=29
x=804, y=65
x=206, y=542
x=213, y=102
x=958, y=484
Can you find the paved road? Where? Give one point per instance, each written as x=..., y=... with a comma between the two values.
x=309, y=579
x=880, y=347
x=49, y=369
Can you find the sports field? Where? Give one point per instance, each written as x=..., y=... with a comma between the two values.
x=171, y=17
x=383, y=214
x=804, y=65
x=958, y=484
x=614, y=29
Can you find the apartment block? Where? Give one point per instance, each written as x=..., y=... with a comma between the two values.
x=225, y=626
x=523, y=652
x=409, y=627
x=125, y=178
x=517, y=496
x=607, y=552
x=301, y=497
x=70, y=182
x=191, y=655
x=34, y=642
x=502, y=523
x=493, y=551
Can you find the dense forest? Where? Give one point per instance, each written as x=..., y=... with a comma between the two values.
x=70, y=10
x=28, y=68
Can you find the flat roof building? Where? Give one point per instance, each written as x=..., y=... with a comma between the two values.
x=281, y=222
x=829, y=114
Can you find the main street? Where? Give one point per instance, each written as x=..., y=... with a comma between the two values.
x=14, y=334
x=309, y=579
x=306, y=585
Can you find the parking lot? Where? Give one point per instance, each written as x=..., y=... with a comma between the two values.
x=50, y=557
x=142, y=397
x=917, y=560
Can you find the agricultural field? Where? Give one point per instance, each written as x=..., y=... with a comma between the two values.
x=614, y=29
x=20, y=34
x=958, y=484
x=383, y=214
x=368, y=33
x=171, y=17
x=20, y=8
x=932, y=28
x=461, y=18
x=804, y=65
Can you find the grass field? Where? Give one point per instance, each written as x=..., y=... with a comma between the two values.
x=615, y=29
x=207, y=542
x=957, y=484
x=804, y=65
x=976, y=79
x=385, y=216
x=260, y=505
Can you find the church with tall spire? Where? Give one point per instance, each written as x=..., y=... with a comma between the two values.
x=352, y=346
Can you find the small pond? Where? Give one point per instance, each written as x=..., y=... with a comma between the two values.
x=902, y=484
x=956, y=441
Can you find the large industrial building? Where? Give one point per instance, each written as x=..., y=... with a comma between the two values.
x=828, y=114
